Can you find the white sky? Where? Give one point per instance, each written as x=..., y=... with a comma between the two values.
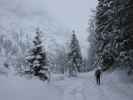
x=73, y=14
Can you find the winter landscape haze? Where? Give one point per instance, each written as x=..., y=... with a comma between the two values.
x=66, y=50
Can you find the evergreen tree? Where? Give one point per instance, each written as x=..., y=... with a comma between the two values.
x=120, y=29
x=104, y=21
x=118, y=45
x=92, y=42
x=74, y=56
x=126, y=55
x=112, y=32
x=36, y=59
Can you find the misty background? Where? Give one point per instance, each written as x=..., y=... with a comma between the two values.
x=57, y=19
x=58, y=49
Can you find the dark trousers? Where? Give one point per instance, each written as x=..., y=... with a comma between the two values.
x=98, y=80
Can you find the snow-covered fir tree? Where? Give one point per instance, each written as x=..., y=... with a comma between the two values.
x=74, y=56
x=37, y=59
x=104, y=21
x=119, y=29
x=126, y=55
x=111, y=30
x=92, y=42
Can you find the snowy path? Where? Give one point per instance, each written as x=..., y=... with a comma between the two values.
x=85, y=88
x=81, y=88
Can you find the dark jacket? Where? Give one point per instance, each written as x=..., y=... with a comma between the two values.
x=98, y=73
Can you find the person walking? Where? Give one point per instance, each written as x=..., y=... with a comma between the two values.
x=98, y=76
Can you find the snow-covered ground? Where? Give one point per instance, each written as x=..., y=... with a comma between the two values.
x=81, y=88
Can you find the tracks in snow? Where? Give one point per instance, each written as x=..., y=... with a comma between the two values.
x=85, y=88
